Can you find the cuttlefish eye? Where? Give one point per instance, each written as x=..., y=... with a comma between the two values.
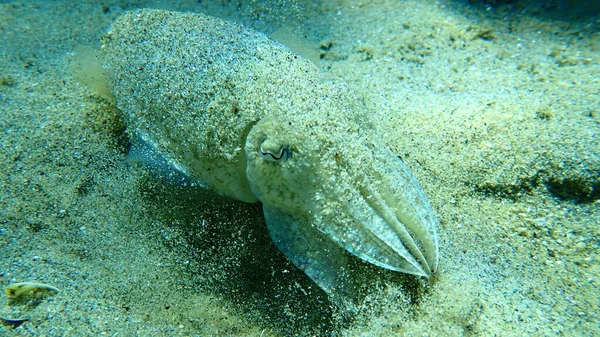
x=273, y=151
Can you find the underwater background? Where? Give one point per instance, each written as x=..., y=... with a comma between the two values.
x=493, y=105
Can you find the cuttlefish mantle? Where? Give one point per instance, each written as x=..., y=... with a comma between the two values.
x=244, y=116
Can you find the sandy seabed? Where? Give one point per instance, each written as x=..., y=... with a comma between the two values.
x=495, y=108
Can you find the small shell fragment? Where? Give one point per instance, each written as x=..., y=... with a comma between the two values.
x=30, y=290
x=13, y=322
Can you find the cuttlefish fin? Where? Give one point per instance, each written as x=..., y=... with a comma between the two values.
x=143, y=150
x=324, y=261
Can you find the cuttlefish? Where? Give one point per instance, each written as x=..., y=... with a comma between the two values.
x=241, y=114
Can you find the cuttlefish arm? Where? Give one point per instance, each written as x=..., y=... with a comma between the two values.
x=323, y=190
x=310, y=250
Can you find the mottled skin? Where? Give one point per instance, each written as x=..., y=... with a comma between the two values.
x=241, y=114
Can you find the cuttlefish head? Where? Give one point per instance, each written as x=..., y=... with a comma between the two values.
x=326, y=185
